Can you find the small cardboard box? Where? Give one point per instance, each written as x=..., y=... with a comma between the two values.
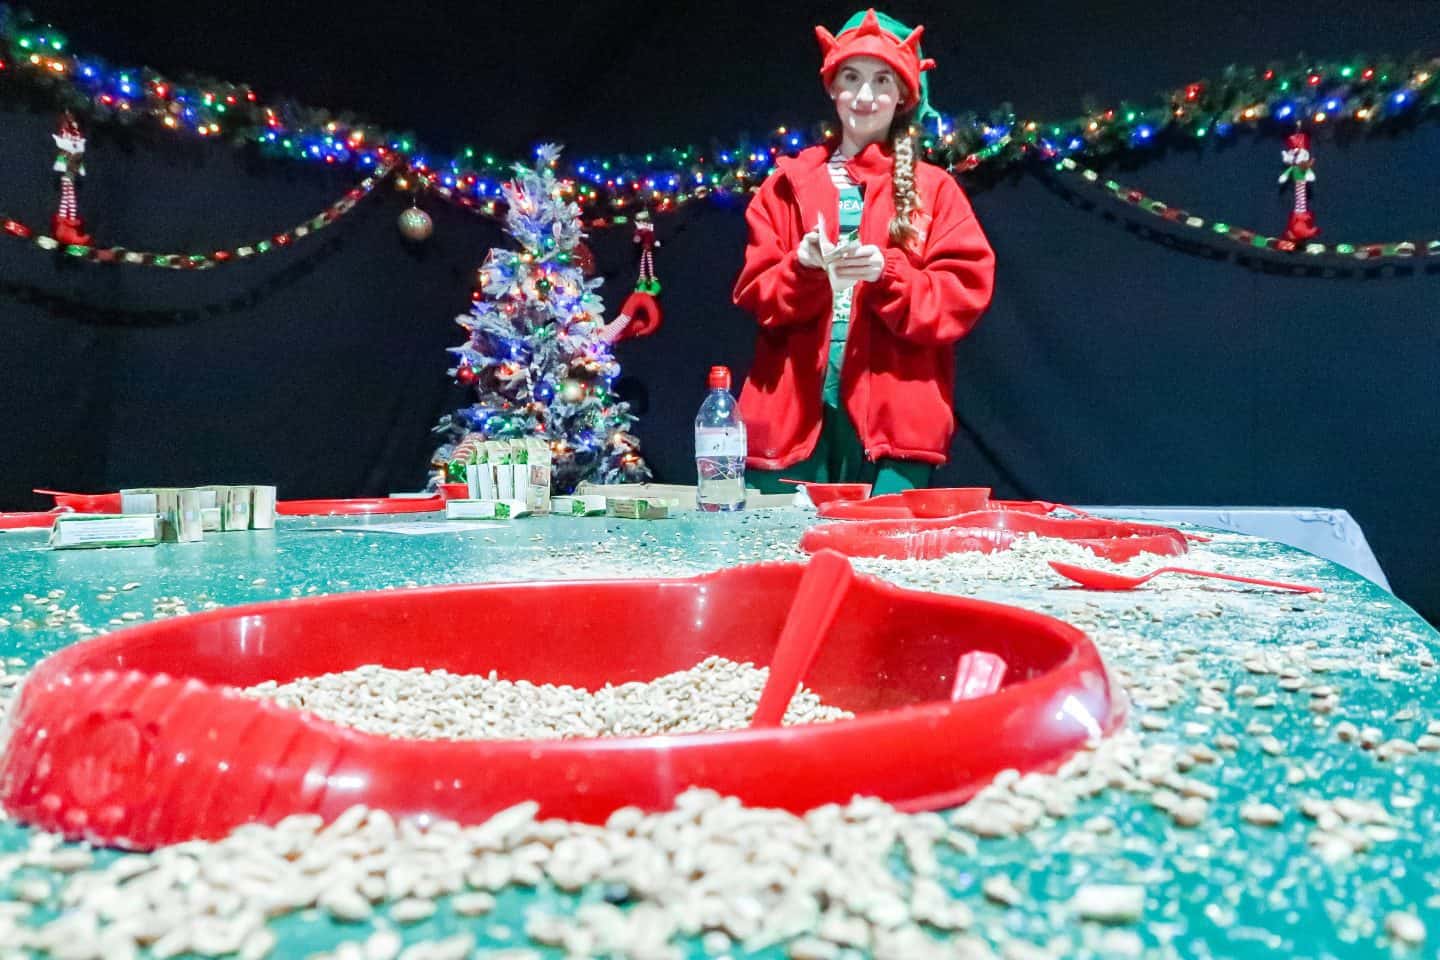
x=539, y=464
x=77, y=531
x=578, y=506
x=637, y=508
x=262, y=507
x=178, y=509
x=235, y=510
x=187, y=520
x=485, y=509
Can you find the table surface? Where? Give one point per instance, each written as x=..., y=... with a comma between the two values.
x=1222, y=889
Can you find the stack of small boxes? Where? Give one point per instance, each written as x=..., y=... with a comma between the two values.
x=506, y=478
x=187, y=513
x=151, y=515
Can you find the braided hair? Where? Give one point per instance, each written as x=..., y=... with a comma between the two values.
x=903, y=232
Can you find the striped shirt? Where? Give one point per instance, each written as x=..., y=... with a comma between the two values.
x=850, y=206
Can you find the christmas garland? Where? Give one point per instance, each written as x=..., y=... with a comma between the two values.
x=1401, y=249
x=201, y=261
x=1372, y=93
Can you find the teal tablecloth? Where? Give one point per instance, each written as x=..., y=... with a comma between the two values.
x=1222, y=889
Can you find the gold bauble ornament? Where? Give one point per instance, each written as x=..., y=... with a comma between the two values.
x=416, y=225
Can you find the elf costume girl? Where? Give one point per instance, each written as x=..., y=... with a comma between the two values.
x=855, y=361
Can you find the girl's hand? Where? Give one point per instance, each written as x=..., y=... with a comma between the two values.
x=809, y=252
x=865, y=262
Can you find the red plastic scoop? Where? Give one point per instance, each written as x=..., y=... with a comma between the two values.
x=1105, y=580
x=826, y=581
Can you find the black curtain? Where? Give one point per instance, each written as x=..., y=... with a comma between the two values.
x=1123, y=360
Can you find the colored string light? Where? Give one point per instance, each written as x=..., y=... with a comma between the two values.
x=1370, y=92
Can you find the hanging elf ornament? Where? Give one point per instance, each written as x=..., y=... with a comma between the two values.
x=70, y=164
x=645, y=237
x=640, y=315
x=1299, y=172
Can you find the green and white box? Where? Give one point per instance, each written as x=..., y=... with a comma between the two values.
x=579, y=506
x=76, y=531
x=485, y=509
x=637, y=508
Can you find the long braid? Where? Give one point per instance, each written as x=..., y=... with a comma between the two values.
x=903, y=232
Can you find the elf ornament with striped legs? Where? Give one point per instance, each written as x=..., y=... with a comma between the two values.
x=640, y=315
x=1300, y=173
x=70, y=164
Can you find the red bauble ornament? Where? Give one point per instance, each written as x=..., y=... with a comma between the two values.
x=584, y=259
x=465, y=374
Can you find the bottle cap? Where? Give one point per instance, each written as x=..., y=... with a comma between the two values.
x=719, y=378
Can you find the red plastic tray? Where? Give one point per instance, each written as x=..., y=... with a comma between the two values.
x=987, y=531
x=363, y=506
x=893, y=506
x=139, y=738
x=31, y=520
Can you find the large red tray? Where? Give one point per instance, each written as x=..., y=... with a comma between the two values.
x=139, y=738
x=85, y=502
x=31, y=520
x=987, y=531
x=364, y=506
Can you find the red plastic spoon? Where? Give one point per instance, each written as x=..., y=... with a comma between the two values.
x=1105, y=580
x=826, y=581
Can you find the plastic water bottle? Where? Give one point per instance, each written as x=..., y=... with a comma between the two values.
x=720, y=448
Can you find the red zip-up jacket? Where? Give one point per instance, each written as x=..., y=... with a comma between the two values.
x=898, y=376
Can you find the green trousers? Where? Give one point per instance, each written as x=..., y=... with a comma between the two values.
x=839, y=457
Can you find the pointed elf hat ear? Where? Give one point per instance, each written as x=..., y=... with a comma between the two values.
x=827, y=41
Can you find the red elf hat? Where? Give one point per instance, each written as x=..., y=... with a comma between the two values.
x=870, y=39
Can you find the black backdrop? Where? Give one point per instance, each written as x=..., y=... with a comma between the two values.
x=1121, y=362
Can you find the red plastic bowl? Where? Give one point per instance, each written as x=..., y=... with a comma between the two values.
x=987, y=531
x=359, y=507
x=139, y=738
x=454, y=491
x=946, y=501
x=836, y=492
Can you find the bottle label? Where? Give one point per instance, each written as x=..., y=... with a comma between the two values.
x=720, y=443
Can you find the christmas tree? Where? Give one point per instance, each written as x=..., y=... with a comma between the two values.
x=535, y=356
